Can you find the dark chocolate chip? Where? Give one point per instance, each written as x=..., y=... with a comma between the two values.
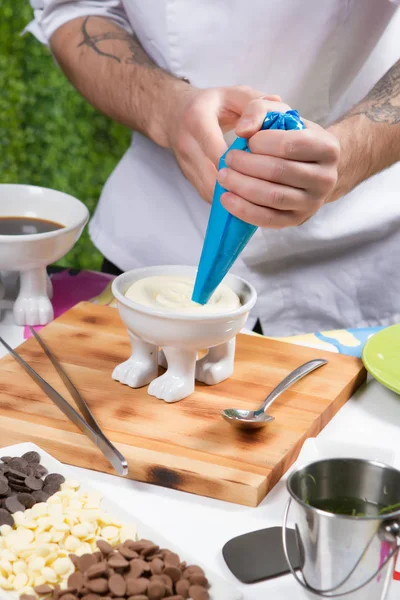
x=39, y=470
x=51, y=489
x=13, y=505
x=18, y=464
x=26, y=499
x=33, y=483
x=32, y=457
x=54, y=478
x=20, y=488
x=4, y=489
x=6, y=459
x=40, y=496
x=6, y=518
x=16, y=474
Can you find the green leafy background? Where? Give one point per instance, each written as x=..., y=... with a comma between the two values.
x=49, y=135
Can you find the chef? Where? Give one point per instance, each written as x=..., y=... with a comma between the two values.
x=187, y=77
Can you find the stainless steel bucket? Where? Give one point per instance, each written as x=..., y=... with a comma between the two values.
x=345, y=554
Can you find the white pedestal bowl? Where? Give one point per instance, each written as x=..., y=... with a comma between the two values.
x=179, y=337
x=29, y=255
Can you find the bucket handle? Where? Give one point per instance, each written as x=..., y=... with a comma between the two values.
x=391, y=532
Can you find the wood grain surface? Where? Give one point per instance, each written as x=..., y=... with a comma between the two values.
x=186, y=445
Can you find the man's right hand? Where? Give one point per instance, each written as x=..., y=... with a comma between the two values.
x=195, y=124
x=110, y=68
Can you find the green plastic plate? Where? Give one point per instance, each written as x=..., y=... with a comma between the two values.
x=381, y=357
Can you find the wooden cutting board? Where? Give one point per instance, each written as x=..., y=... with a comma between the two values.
x=186, y=445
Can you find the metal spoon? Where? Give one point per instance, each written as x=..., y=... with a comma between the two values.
x=254, y=419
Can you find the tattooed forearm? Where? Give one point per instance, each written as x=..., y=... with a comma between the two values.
x=382, y=104
x=125, y=48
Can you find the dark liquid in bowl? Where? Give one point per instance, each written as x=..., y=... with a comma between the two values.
x=26, y=226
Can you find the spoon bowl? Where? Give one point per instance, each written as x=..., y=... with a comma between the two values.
x=246, y=419
x=255, y=419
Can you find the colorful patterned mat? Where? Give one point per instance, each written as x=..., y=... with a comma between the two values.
x=72, y=286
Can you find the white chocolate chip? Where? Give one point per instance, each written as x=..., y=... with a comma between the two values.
x=20, y=581
x=5, y=584
x=5, y=567
x=20, y=566
x=72, y=543
x=39, y=510
x=37, y=550
x=36, y=564
x=110, y=532
x=62, y=565
x=49, y=575
x=128, y=532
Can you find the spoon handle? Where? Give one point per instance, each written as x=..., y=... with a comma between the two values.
x=294, y=376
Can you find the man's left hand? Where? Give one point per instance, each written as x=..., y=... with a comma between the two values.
x=287, y=176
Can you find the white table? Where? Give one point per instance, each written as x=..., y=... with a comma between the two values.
x=202, y=525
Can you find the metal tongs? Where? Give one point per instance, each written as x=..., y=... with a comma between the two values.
x=90, y=427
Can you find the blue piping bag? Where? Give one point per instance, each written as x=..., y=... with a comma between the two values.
x=226, y=235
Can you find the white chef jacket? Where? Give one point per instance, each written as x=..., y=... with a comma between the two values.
x=341, y=268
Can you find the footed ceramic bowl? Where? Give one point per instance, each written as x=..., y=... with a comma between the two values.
x=179, y=337
x=31, y=254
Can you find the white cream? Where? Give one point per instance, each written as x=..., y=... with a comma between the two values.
x=172, y=294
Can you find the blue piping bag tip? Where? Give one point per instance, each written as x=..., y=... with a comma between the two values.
x=226, y=235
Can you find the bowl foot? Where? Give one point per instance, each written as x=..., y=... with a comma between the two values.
x=33, y=306
x=217, y=365
x=141, y=367
x=178, y=381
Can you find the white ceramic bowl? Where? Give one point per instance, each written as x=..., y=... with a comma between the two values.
x=181, y=330
x=180, y=336
x=31, y=254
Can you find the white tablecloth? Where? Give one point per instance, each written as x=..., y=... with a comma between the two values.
x=203, y=526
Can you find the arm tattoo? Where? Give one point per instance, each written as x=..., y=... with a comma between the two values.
x=382, y=104
x=132, y=52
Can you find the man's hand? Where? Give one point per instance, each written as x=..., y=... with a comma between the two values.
x=287, y=176
x=196, y=121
